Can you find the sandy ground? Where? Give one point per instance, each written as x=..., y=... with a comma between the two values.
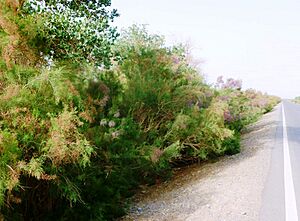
x=230, y=189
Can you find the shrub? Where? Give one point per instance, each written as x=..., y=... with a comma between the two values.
x=297, y=100
x=77, y=140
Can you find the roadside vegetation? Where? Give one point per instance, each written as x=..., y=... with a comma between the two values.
x=87, y=115
x=296, y=100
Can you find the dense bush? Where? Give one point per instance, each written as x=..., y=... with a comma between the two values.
x=77, y=140
x=244, y=106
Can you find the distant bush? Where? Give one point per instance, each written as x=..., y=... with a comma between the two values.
x=244, y=106
x=297, y=100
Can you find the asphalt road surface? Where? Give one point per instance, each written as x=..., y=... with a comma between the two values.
x=281, y=199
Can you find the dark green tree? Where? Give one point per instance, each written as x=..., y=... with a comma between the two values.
x=73, y=29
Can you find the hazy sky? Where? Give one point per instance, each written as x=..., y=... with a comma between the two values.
x=257, y=41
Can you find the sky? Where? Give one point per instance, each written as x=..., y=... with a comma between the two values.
x=257, y=41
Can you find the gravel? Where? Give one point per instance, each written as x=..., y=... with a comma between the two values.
x=227, y=190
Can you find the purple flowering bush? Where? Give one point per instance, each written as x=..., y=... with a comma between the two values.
x=244, y=107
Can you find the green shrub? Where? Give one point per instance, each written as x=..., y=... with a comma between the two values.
x=77, y=140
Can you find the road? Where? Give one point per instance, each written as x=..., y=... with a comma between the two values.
x=282, y=189
x=262, y=183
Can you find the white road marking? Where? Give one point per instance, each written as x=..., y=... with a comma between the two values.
x=290, y=198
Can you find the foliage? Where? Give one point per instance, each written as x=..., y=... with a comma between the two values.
x=77, y=140
x=77, y=30
x=296, y=100
x=41, y=137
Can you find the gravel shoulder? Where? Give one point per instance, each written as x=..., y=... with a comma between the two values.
x=230, y=189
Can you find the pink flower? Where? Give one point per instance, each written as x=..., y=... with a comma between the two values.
x=115, y=134
x=111, y=123
x=103, y=122
x=220, y=80
x=117, y=114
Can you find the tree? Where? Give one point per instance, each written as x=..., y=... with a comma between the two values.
x=73, y=29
